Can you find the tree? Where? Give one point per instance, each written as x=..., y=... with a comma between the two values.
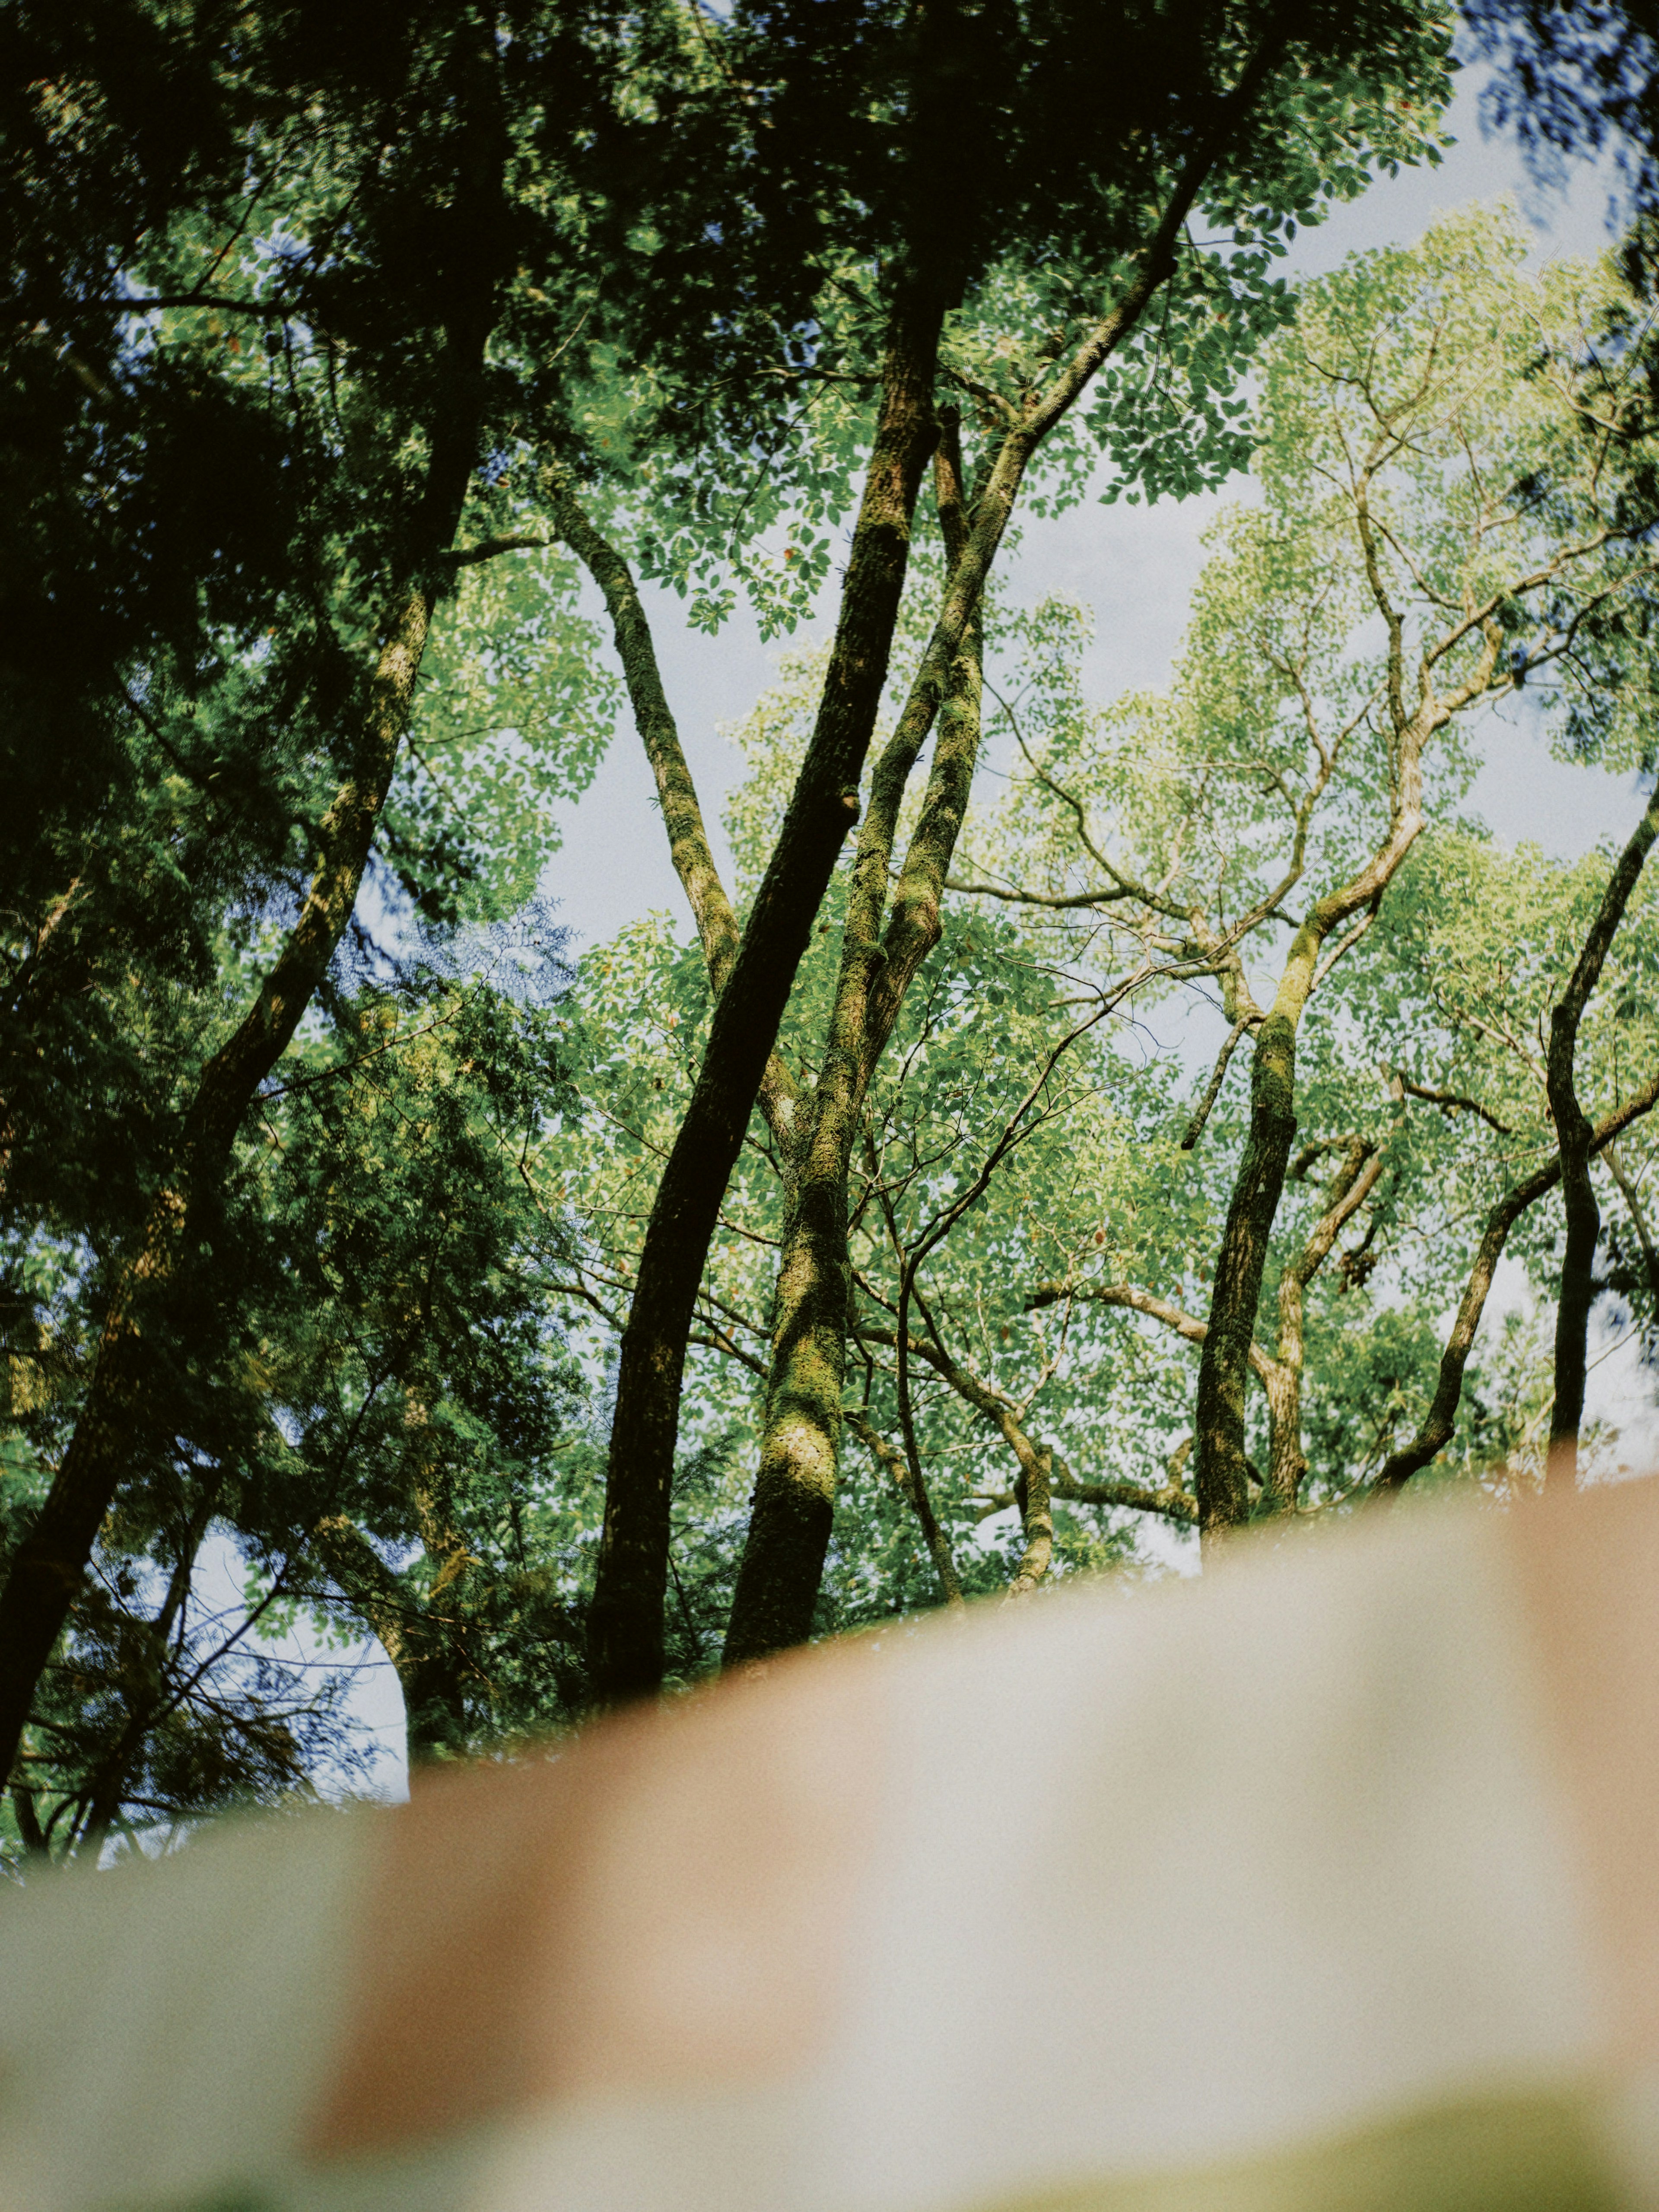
x=352, y=376
x=1067, y=238
x=1033, y=1224
x=367, y=410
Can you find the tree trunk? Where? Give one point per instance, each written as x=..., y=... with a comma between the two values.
x=626, y=1642
x=1572, y=1132
x=793, y=1504
x=1221, y=1477
x=28, y=1823
x=626, y=1619
x=1035, y=1492
x=1281, y=1376
x=422, y=1651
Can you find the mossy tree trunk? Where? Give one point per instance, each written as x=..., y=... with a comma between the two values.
x=626, y=1621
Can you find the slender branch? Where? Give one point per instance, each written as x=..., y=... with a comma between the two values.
x=469, y=557
x=689, y=844
x=906, y=1471
x=1194, y=1128
x=1170, y=1500
x=1637, y=1213
x=1452, y=1102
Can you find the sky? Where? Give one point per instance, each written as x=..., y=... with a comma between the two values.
x=1135, y=568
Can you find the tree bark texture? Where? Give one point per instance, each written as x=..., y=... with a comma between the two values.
x=1035, y=1493
x=794, y=1493
x=47, y=1567
x=626, y=1619
x=800, y=1440
x=626, y=1640
x=1572, y=1133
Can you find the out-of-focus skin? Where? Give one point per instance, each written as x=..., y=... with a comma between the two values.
x=1589, y=1571
x=662, y=1906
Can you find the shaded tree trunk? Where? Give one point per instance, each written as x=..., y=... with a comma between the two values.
x=1222, y=1471
x=1439, y=1423
x=1573, y=1134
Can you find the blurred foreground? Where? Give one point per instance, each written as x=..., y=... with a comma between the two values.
x=1328, y=1882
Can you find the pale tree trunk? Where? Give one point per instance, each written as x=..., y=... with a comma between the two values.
x=1035, y=1493
x=423, y=1650
x=1281, y=1375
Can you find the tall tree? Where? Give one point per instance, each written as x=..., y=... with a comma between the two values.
x=1027, y=1215
x=377, y=276
x=1047, y=174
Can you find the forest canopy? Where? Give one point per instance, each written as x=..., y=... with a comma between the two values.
x=1079, y=1129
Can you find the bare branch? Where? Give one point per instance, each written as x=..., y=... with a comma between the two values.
x=1451, y=1101
x=1194, y=1128
x=914, y=1493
